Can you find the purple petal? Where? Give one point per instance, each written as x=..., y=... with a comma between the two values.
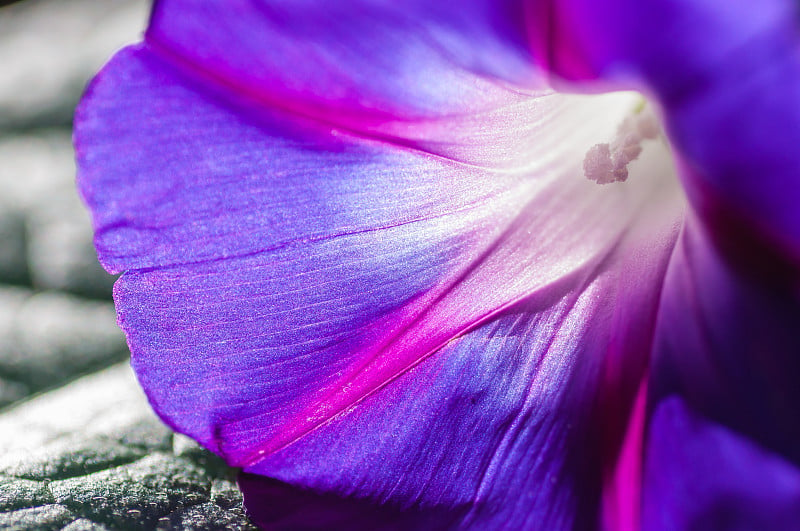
x=355, y=59
x=723, y=392
x=371, y=67
x=728, y=78
x=509, y=424
x=295, y=295
x=704, y=476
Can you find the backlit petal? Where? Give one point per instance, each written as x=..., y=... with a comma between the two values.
x=510, y=424
x=728, y=78
x=375, y=67
x=289, y=284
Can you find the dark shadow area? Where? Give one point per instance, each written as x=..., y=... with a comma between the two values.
x=274, y=505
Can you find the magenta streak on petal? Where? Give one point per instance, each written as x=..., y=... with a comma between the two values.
x=498, y=137
x=416, y=339
x=477, y=119
x=390, y=360
x=121, y=212
x=622, y=494
x=359, y=125
x=497, y=420
x=118, y=205
x=379, y=58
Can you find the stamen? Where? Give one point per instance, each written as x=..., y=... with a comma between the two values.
x=608, y=163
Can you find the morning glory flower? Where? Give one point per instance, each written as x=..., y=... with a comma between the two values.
x=434, y=265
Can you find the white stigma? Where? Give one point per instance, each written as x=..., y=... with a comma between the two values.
x=608, y=163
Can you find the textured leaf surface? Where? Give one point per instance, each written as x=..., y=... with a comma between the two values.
x=93, y=456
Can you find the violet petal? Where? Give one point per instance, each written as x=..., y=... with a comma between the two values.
x=702, y=475
x=288, y=286
x=725, y=349
x=728, y=79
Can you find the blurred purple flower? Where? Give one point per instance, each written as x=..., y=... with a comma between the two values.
x=363, y=260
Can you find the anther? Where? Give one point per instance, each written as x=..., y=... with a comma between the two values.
x=608, y=163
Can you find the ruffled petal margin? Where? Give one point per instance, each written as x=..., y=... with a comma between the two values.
x=367, y=274
x=363, y=319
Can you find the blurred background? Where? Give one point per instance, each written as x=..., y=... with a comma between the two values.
x=79, y=447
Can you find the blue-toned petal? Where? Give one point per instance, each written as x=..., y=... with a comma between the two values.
x=725, y=350
x=401, y=72
x=702, y=475
x=514, y=424
x=727, y=76
x=286, y=281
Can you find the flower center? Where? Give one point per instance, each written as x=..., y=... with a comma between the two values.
x=608, y=162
